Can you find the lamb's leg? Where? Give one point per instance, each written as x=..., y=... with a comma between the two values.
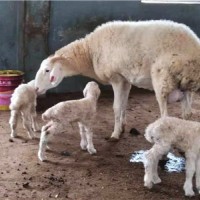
x=13, y=122
x=190, y=170
x=151, y=164
x=198, y=173
x=121, y=90
x=89, y=137
x=34, y=119
x=83, y=142
x=186, y=105
x=27, y=122
x=46, y=131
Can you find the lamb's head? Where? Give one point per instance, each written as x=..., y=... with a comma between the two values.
x=92, y=89
x=50, y=73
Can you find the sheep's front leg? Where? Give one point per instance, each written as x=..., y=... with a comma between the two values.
x=121, y=90
x=151, y=164
x=190, y=170
x=83, y=142
x=13, y=122
x=186, y=105
x=89, y=137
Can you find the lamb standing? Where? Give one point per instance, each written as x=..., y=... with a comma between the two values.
x=163, y=56
x=171, y=132
x=82, y=111
x=23, y=101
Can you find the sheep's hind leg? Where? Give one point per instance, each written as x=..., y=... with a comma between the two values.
x=121, y=90
x=190, y=170
x=198, y=173
x=83, y=142
x=13, y=122
x=186, y=105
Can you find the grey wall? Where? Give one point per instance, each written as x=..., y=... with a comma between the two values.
x=32, y=30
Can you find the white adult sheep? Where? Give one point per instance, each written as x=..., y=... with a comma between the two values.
x=163, y=56
x=167, y=133
x=23, y=102
x=82, y=111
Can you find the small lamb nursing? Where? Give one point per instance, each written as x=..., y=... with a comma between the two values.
x=23, y=101
x=171, y=132
x=82, y=111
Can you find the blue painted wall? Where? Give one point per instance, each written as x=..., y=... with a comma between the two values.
x=30, y=31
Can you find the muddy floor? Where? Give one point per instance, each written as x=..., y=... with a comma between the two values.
x=71, y=173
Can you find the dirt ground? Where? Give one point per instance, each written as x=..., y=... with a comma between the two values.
x=71, y=173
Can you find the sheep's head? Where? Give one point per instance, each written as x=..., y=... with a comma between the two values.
x=49, y=75
x=92, y=89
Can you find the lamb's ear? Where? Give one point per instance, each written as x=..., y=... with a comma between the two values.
x=55, y=74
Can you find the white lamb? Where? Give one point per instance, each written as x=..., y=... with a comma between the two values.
x=167, y=133
x=23, y=102
x=82, y=111
x=157, y=55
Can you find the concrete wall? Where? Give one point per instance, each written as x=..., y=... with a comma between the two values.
x=32, y=30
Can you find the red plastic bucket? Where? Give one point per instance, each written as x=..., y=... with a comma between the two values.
x=9, y=80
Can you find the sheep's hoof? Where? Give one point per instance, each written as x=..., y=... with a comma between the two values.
x=187, y=116
x=113, y=139
x=37, y=130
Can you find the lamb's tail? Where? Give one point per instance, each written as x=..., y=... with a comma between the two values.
x=149, y=132
x=15, y=104
x=153, y=130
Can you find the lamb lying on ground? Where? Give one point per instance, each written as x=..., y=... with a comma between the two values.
x=23, y=101
x=82, y=111
x=167, y=133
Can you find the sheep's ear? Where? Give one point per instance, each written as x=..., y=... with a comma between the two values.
x=55, y=74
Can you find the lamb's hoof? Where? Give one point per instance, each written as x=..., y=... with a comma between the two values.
x=13, y=135
x=149, y=185
x=189, y=193
x=113, y=139
x=42, y=157
x=92, y=151
x=156, y=180
x=83, y=146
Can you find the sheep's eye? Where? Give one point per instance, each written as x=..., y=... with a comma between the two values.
x=47, y=70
